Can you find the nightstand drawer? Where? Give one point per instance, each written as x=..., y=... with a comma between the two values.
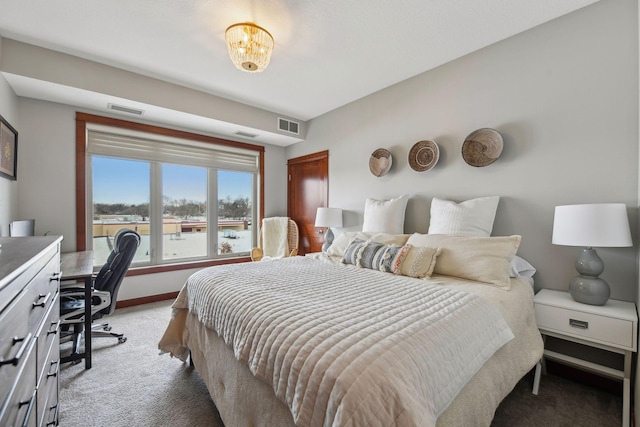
x=607, y=330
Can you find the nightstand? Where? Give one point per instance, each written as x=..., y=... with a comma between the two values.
x=612, y=327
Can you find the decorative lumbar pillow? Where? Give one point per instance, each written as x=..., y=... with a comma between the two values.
x=342, y=241
x=385, y=216
x=377, y=256
x=483, y=259
x=471, y=218
x=418, y=262
x=406, y=260
x=352, y=253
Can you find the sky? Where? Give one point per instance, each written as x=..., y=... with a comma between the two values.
x=127, y=181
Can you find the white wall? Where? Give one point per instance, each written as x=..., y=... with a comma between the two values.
x=564, y=96
x=9, y=188
x=47, y=162
x=46, y=185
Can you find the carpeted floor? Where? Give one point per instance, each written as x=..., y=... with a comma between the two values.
x=130, y=384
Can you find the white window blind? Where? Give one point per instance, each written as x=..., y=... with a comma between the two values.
x=133, y=147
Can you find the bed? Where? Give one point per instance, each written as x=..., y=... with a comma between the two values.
x=347, y=339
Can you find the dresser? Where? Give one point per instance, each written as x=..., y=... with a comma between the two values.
x=29, y=330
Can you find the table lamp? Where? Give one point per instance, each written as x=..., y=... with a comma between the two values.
x=328, y=217
x=593, y=225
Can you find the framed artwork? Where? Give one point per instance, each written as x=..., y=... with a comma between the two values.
x=8, y=150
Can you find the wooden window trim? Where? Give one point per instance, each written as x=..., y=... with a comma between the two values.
x=82, y=119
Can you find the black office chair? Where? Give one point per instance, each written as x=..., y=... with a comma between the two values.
x=104, y=292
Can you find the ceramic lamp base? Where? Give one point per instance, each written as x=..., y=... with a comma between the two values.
x=328, y=240
x=589, y=290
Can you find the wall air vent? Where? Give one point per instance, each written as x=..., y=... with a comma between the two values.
x=288, y=126
x=124, y=109
x=246, y=134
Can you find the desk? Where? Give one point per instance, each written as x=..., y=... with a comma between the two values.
x=79, y=266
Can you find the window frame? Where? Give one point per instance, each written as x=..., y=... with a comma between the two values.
x=83, y=119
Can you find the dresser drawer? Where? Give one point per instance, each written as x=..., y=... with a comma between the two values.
x=49, y=365
x=42, y=290
x=19, y=408
x=15, y=339
x=48, y=389
x=48, y=337
x=606, y=330
x=11, y=290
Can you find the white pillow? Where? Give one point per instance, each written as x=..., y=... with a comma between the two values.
x=341, y=242
x=471, y=218
x=385, y=216
x=483, y=259
x=521, y=268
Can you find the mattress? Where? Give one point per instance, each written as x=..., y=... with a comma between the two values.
x=245, y=399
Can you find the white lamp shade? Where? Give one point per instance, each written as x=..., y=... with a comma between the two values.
x=329, y=217
x=593, y=225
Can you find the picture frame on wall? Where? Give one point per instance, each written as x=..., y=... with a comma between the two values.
x=8, y=150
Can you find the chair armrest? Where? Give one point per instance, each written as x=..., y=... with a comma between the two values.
x=72, y=284
x=256, y=254
x=71, y=287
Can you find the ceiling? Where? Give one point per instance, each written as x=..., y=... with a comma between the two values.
x=327, y=53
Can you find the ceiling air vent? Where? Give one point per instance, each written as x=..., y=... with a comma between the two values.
x=246, y=134
x=288, y=126
x=124, y=109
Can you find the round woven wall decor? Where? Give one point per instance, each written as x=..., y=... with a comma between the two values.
x=380, y=162
x=482, y=147
x=423, y=155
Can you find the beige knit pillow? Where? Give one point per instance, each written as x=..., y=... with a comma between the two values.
x=483, y=259
x=419, y=262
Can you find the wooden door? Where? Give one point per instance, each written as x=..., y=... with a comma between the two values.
x=308, y=190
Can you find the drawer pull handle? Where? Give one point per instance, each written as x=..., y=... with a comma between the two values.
x=54, y=373
x=56, y=277
x=16, y=359
x=53, y=422
x=580, y=324
x=30, y=402
x=44, y=302
x=55, y=329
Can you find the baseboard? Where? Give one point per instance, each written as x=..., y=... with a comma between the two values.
x=146, y=300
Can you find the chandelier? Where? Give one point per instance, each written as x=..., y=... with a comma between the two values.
x=249, y=46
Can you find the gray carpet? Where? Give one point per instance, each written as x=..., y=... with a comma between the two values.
x=130, y=384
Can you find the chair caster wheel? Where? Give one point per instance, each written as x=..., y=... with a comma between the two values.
x=122, y=339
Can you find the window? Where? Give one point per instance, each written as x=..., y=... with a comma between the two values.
x=184, y=212
x=235, y=212
x=192, y=200
x=120, y=199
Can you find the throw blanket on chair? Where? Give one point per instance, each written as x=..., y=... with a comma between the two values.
x=275, y=237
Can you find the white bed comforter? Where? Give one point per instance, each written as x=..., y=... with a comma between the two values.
x=344, y=346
